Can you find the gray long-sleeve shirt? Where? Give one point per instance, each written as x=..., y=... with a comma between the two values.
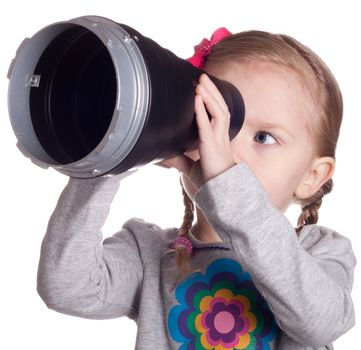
x=263, y=287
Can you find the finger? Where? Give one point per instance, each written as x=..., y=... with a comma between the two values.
x=205, y=130
x=209, y=97
x=180, y=162
x=212, y=88
x=220, y=118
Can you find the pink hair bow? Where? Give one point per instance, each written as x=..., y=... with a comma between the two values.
x=202, y=50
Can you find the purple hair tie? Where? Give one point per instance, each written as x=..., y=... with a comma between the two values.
x=184, y=242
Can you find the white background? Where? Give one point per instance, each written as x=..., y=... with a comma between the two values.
x=29, y=194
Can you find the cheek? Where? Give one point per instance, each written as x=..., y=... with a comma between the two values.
x=275, y=187
x=279, y=182
x=279, y=192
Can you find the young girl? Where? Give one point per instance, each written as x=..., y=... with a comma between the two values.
x=245, y=278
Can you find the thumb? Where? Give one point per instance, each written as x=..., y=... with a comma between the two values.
x=192, y=169
x=180, y=162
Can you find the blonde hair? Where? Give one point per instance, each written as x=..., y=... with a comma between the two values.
x=322, y=87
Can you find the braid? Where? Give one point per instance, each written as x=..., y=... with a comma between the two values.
x=311, y=205
x=188, y=215
x=182, y=256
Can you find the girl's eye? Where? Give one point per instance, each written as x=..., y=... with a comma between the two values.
x=265, y=138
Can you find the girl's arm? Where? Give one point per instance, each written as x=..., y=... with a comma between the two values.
x=79, y=275
x=306, y=281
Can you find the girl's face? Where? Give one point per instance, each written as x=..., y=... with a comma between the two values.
x=276, y=140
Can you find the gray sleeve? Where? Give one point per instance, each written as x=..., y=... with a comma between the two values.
x=307, y=288
x=77, y=274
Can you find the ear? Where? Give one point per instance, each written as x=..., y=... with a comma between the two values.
x=320, y=171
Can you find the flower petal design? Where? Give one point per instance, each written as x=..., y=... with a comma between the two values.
x=221, y=310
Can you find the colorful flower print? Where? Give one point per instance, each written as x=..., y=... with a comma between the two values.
x=220, y=310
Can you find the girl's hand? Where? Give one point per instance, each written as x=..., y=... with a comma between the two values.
x=214, y=144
